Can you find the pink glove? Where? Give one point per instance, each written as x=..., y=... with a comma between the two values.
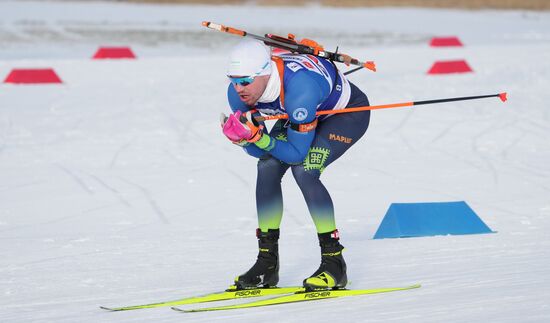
x=237, y=131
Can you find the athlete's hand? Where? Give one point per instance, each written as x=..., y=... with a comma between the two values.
x=223, y=122
x=240, y=127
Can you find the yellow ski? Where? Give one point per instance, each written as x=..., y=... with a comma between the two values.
x=300, y=296
x=218, y=296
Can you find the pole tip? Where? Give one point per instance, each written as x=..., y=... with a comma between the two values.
x=503, y=96
x=370, y=65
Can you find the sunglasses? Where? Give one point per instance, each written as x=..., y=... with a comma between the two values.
x=247, y=80
x=242, y=81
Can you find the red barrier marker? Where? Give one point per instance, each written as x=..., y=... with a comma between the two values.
x=114, y=53
x=448, y=67
x=32, y=76
x=446, y=42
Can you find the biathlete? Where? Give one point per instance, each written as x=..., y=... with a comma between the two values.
x=298, y=85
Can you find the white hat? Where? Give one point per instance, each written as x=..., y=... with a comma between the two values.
x=249, y=57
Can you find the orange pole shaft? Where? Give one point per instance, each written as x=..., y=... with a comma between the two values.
x=502, y=96
x=348, y=110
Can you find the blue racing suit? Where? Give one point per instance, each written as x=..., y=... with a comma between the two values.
x=305, y=143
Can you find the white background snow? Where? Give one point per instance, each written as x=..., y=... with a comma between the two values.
x=118, y=188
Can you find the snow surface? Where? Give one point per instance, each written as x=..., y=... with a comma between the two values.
x=118, y=188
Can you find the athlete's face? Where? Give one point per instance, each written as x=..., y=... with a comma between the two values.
x=251, y=92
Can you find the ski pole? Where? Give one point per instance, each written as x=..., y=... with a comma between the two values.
x=305, y=47
x=502, y=97
x=353, y=70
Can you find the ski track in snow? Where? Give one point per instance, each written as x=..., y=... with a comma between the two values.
x=112, y=190
x=76, y=179
x=118, y=188
x=152, y=202
x=119, y=151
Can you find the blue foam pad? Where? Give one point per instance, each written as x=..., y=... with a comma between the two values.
x=428, y=219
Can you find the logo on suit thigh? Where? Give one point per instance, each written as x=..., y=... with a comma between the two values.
x=316, y=159
x=339, y=138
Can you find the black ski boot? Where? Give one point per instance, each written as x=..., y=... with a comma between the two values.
x=332, y=272
x=265, y=272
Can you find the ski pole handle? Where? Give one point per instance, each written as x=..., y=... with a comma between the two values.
x=223, y=28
